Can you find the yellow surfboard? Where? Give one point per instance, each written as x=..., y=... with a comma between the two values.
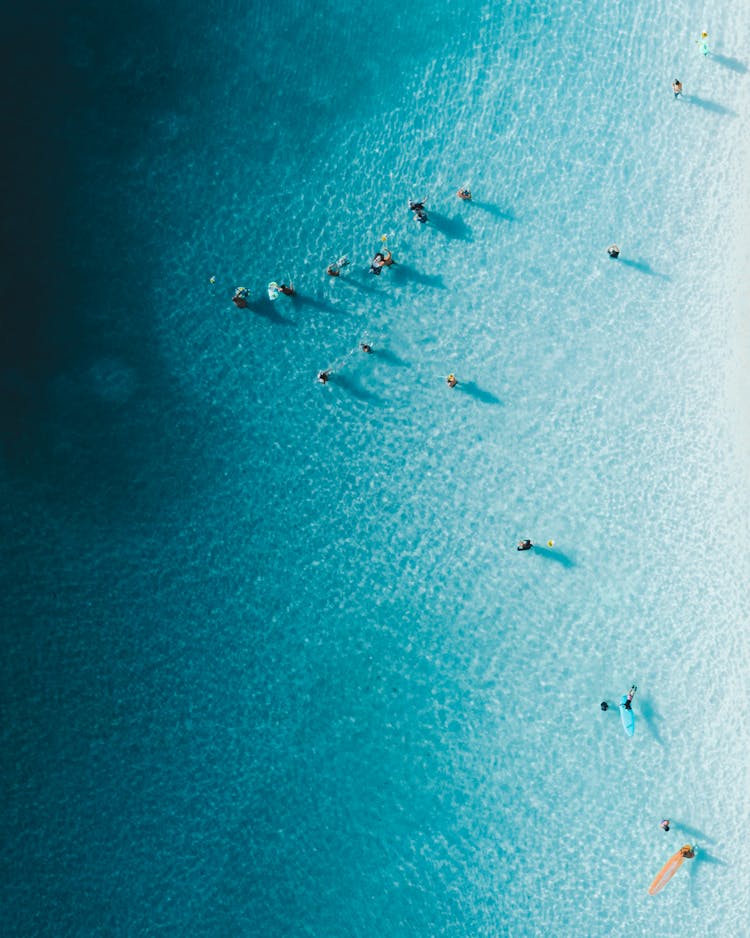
x=670, y=868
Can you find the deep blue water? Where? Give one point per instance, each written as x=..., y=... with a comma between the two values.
x=271, y=663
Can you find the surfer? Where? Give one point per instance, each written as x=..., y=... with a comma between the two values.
x=629, y=699
x=376, y=266
x=287, y=291
x=613, y=250
x=688, y=852
x=323, y=376
x=665, y=824
x=240, y=297
x=464, y=194
x=527, y=545
x=677, y=87
x=451, y=380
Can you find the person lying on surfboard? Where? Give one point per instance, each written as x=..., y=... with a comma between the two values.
x=631, y=694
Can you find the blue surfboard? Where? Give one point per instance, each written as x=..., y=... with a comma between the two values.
x=627, y=716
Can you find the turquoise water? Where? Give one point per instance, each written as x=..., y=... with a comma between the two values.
x=272, y=664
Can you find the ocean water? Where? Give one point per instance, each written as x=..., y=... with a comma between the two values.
x=271, y=662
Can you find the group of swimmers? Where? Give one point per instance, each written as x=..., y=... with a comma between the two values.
x=380, y=261
x=384, y=259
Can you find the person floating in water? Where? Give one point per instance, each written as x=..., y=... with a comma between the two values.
x=377, y=264
x=464, y=194
x=420, y=215
x=451, y=380
x=613, y=250
x=688, y=851
x=287, y=291
x=240, y=297
x=525, y=545
x=665, y=824
x=366, y=348
x=703, y=43
x=677, y=87
x=323, y=376
x=629, y=698
x=604, y=705
x=334, y=270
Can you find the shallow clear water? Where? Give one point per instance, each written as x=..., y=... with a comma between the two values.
x=273, y=664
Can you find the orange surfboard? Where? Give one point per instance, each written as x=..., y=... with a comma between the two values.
x=668, y=870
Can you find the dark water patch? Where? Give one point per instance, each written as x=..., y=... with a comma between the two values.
x=391, y=358
x=74, y=292
x=495, y=210
x=553, y=554
x=455, y=229
x=472, y=389
x=642, y=267
x=355, y=390
x=691, y=832
x=323, y=305
x=734, y=65
x=405, y=273
x=703, y=856
x=269, y=310
x=651, y=718
x=712, y=106
x=357, y=283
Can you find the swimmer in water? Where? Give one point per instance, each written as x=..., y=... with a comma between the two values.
x=388, y=258
x=367, y=349
x=287, y=291
x=677, y=87
x=451, y=380
x=240, y=297
x=525, y=545
x=334, y=270
x=323, y=376
x=420, y=215
x=665, y=824
x=464, y=194
x=613, y=250
x=377, y=264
